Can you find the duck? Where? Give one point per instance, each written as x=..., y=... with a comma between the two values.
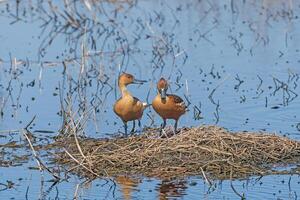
x=168, y=106
x=128, y=107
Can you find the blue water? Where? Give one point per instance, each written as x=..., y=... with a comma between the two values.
x=247, y=51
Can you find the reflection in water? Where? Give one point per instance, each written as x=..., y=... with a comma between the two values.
x=169, y=189
x=127, y=185
x=259, y=15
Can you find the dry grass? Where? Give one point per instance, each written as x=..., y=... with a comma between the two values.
x=207, y=151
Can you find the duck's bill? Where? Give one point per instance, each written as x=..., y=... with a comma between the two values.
x=163, y=93
x=137, y=81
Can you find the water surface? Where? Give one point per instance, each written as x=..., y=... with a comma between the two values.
x=236, y=63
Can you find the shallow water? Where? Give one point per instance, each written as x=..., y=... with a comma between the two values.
x=236, y=62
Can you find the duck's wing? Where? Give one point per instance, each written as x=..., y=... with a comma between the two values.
x=136, y=101
x=177, y=100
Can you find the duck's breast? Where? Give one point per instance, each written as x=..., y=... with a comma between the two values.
x=167, y=108
x=129, y=108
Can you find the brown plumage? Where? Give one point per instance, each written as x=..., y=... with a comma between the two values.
x=128, y=107
x=168, y=106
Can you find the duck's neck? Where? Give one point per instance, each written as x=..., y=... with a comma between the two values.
x=161, y=99
x=123, y=90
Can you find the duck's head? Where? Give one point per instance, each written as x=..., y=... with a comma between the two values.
x=126, y=79
x=162, y=87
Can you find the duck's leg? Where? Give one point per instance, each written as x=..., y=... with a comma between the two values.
x=133, y=126
x=125, y=127
x=175, y=126
x=162, y=132
x=140, y=125
x=163, y=125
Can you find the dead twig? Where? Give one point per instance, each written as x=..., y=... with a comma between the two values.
x=38, y=160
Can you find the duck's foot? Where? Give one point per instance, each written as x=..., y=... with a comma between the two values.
x=132, y=133
x=163, y=134
x=167, y=132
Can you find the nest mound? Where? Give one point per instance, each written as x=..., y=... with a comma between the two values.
x=207, y=151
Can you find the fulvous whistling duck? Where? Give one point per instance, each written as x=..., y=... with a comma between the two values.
x=128, y=107
x=168, y=106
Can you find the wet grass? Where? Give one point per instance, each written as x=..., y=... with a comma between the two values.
x=13, y=153
x=207, y=151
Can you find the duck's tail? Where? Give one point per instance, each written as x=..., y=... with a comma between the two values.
x=146, y=105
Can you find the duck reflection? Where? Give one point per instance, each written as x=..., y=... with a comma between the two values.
x=127, y=186
x=168, y=189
